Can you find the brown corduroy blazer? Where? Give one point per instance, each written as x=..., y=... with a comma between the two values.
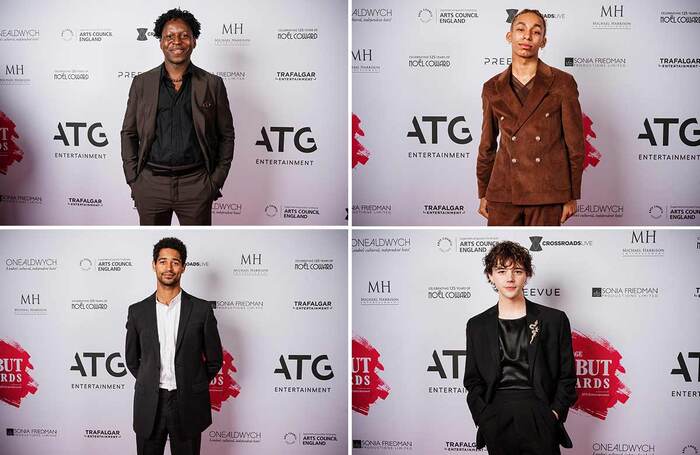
x=538, y=158
x=211, y=115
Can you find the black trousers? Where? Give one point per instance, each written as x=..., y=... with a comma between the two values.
x=518, y=423
x=167, y=426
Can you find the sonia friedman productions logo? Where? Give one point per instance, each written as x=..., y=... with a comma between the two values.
x=15, y=381
x=598, y=371
x=367, y=386
x=223, y=386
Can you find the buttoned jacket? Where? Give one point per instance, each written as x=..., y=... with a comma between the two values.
x=532, y=153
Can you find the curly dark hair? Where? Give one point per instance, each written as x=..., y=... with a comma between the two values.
x=177, y=13
x=535, y=12
x=170, y=242
x=506, y=253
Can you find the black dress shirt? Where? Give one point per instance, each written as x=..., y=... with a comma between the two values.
x=513, y=340
x=175, y=147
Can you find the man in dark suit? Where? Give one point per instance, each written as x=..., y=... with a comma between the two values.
x=173, y=350
x=520, y=373
x=177, y=136
x=535, y=176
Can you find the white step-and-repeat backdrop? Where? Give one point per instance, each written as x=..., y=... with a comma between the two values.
x=418, y=69
x=65, y=73
x=633, y=299
x=281, y=307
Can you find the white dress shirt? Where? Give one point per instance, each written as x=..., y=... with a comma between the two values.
x=168, y=319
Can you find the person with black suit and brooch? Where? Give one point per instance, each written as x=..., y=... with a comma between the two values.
x=173, y=350
x=520, y=374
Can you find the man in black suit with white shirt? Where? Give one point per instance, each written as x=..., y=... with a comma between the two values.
x=173, y=350
x=520, y=373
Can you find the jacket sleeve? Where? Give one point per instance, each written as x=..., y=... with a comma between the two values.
x=226, y=136
x=129, y=135
x=213, y=353
x=487, y=146
x=565, y=395
x=473, y=381
x=572, y=120
x=132, y=350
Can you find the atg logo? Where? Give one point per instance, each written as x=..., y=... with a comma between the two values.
x=308, y=147
x=112, y=364
x=683, y=369
x=666, y=123
x=95, y=137
x=453, y=126
x=322, y=372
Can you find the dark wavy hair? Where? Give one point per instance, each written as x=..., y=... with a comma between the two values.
x=535, y=12
x=170, y=242
x=505, y=253
x=177, y=13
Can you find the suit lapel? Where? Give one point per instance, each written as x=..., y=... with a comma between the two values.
x=185, y=310
x=534, y=325
x=199, y=91
x=492, y=339
x=152, y=90
x=543, y=80
x=151, y=323
x=506, y=91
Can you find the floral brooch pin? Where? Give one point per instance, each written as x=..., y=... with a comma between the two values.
x=534, y=329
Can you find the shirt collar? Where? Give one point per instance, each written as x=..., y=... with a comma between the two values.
x=173, y=303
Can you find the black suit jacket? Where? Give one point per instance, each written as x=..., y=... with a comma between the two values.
x=550, y=357
x=211, y=115
x=198, y=358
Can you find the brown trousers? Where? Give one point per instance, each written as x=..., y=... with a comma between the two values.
x=156, y=197
x=507, y=214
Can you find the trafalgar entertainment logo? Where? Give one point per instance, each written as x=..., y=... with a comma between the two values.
x=305, y=370
x=443, y=209
x=679, y=17
x=230, y=436
x=83, y=201
x=596, y=62
x=461, y=446
x=19, y=34
x=243, y=305
x=297, y=34
x=628, y=292
x=372, y=15
x=10, y=152
x=447, y=16
x=679, y=62
x=24, y=264
x=687, y=366
x=379, y=294
x=73, y=134
x=99, y=370
x=87, y=35
x=295, y=75
x=449, y=364
x=623, y=448
x=448, y=294
x=105, y=264
x=233, y=34
x=302, y=140
x=367, y=386
x=223, y=386
x=29, y=304
x=15, y=380
x=14, y=75
x=363, y=61
x=89, y=305
x=432, y=129
x=231, y=75
x=429, y=61
x=251, y=264
x=497, y=61
x=71, y=75
x=312, y=305
x=537, y=243
x=381, y=245
x=611, y=17
x=313, y=265
x=221, y=207
x=598, y=376
x=310, y=439
x=644, y=245
x=101, y=433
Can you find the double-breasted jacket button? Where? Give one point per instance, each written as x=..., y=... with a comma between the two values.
x=513, y=138
x=547, y=114
x=537, y=138
x=514, y=161
x=502, y=118
x=537, y=160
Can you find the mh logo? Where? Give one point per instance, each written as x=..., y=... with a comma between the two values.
x=536, y=243
x=232, y=29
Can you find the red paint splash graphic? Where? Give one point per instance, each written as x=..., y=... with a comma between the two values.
x=15, y=382
x=367, y=386
x=598, y=371
x=359, y=153
x=9, y=150
x=223, y=386
x=593, y=156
